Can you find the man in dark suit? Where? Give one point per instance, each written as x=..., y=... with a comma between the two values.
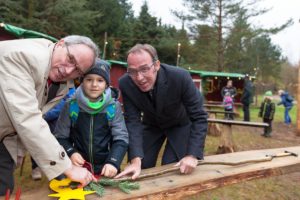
x=161, y=103
x=247, y=97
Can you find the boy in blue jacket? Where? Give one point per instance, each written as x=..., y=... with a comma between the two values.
x=287, y=102
x=91, y=126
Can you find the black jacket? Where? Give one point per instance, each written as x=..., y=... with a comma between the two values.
x=98, y=140
x=230, y=90
x=247, y=96
x=267, y=110
x=178, y=103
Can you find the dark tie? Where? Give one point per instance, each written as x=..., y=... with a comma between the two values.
x=152, y=97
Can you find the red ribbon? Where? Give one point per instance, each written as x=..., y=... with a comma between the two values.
x=89, y=167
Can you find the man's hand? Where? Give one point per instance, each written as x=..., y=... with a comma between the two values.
x=187, y=164
x=109, y=170
x=133, y=168
x=77, y=159
x=80, y=174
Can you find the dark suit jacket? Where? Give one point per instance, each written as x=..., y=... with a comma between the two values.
x=178, y=103
x=247, y=96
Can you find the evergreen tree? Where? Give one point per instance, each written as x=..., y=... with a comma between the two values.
x=146, y=27
x=115, y=22
x=219, y=15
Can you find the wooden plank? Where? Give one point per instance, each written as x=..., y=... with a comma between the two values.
x=221, y=112
x=175, y=186
x=239, y=123
x=205, y=177
x=213, y=106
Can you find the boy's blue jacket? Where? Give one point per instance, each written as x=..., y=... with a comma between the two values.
x=284, y=100
x=93, y=136
x=53, y=114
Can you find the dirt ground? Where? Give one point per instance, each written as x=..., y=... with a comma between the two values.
x=281, y=187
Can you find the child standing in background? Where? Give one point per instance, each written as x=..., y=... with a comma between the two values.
x=267, y=111
x=228, y=105
x=91, y=126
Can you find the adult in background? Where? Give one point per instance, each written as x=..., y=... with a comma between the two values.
x=229, y=88
x=34, y=77
x=287, y=102
x=247, y=97
x=161, y=103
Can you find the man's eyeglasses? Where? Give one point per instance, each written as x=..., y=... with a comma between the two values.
x=74, y=62
x=143, y=70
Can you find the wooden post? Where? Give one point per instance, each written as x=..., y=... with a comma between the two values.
x=226, y=141
x=213, y=128
x=298, y=103
x=104, y=46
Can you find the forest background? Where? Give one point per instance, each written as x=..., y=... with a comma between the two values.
x=219, y=37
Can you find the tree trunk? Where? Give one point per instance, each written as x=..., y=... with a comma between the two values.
x=298, y=104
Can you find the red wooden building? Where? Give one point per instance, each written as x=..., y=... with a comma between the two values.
x=209, y=83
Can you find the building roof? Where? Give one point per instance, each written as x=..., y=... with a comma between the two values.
x=216, y=74
x=24, y=33
x=199, y=72
x=124, y=64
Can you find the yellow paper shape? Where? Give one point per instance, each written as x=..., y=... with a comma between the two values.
x=64, y=192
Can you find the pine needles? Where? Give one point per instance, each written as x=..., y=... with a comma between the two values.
x=124, y=186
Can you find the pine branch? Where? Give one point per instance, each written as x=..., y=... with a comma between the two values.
x=124, y=186
x=98, y=188
x=108, y=182
x=127, y=186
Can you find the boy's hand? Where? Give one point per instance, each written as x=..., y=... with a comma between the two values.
x=109, y=171
x=77, y=159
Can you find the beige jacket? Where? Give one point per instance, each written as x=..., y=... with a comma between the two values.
x=24, y=69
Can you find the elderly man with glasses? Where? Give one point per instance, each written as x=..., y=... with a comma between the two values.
x=35, y=75
x=161, y=106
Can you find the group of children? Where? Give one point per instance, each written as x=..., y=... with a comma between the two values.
x=266, y=112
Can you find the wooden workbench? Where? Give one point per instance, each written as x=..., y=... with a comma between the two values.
x=175, y=186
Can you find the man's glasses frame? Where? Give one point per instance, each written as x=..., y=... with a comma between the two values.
x=143, y=70
x=74, y=62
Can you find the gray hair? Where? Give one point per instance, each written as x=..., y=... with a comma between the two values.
x=78, y=39
x=138, y=48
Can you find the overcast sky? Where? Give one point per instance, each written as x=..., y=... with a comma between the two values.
x=282, y=10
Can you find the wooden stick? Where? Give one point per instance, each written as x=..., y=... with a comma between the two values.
x=203, y=162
